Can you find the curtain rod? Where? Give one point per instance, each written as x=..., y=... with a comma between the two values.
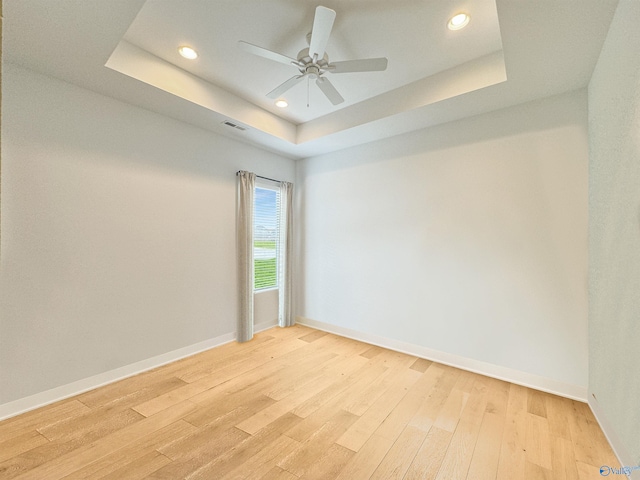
x=264, y=178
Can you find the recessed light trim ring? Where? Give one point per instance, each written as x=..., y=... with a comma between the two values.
x=459, y=21
x=187, y=52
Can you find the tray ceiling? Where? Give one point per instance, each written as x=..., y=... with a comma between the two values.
x=511, y=52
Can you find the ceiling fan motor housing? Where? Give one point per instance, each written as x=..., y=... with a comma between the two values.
x=312, y=72
x=304, y=58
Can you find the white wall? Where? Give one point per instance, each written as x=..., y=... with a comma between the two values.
x=469, y=238
x=614, y=233
x=118, y=233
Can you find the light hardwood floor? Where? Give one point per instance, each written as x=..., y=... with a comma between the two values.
x=300, y=403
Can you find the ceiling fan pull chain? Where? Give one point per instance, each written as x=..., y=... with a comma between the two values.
x=307, y=92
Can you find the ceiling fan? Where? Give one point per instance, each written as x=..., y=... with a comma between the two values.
x=313, y=62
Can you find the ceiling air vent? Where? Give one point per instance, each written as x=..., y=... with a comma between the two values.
x=233, y=125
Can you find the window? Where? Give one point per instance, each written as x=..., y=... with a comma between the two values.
x=266, y=236
x=264, y=223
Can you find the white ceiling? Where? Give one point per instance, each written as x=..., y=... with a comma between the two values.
x=512, y=52
x=412, y=34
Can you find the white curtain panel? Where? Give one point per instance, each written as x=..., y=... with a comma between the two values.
x=285, y=255
x=244, y=239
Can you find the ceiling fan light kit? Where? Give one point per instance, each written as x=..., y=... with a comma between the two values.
x=313, y=62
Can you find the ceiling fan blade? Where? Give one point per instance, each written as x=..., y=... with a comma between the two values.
x=322, y=25
x=263, y=52
x=364, y=65
x=276, y=92
x=329, y=90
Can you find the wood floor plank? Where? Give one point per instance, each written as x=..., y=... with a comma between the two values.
x=563, y=460
x=341, y=395
x=358, y=404
x=221, y=424
x=421, y=365
x=231, y=394
x=19, y=444
x=216, y=359
x=254, y=382
x=187, y=465
x=497, y=396
x=406, y=409
x=221, y=376
x=277, y=473
x=245, y=450
x=267, y=415
x=266, y=375
x=310, y=405
x=590, y=444
x=264, y=460
x=41, y=417
x=140, y=468
x=364, y=462
x=427, y=461
x=35, y=457
x=130, y=391
x=536, y=403
x=70, y=434
x=467, y=381
x=371, y=352
x=329, y=464
x=91, y=423
x=235, y=408
x=356, y=436
x=538, y=441
x=303, y=374
x=484, y=463
x=592, y=472
x=275, y=380
x=313, y=336
x=131, y=452
x=350, y=373
x=445, y=380
x=558, y=411
x=392, y=358
x=396, y=462
x=231, y=352
x=459, y=454
x=533, y=471
x=301, y=459
x=198, y=451
x=511, y=464
x=89, y=453
x=174, y=397
x=451, y=411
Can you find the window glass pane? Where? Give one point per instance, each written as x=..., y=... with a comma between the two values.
x=265, y=237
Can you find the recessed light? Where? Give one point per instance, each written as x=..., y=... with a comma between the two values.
x=281, y=103
x=188, y=52
x=458, y=21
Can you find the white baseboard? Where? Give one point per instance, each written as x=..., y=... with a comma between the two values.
x=575, y=392
x=41, y=399
x=624, y=456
